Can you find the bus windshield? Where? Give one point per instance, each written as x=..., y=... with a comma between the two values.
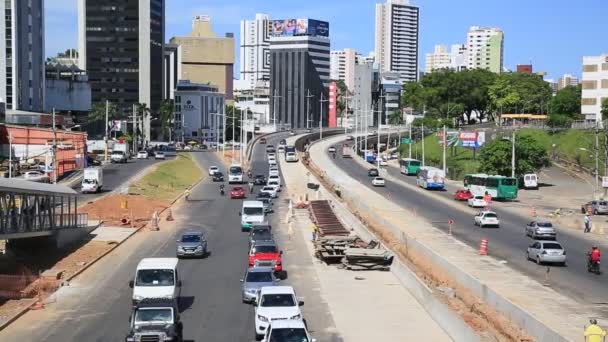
x=236, y=170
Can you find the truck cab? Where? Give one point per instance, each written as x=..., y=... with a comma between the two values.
x=92, y=180
x=155, y=319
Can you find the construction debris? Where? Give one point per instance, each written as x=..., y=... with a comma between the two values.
x=326, y=221
x=358, y=259
x=331, y=249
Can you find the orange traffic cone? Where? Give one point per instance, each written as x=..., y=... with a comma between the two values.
x=483, y=247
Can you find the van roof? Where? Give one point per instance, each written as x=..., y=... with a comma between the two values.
x=157, y=263
x=253, y=204
x=277, y=290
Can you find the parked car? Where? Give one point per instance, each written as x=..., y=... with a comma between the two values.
x=281, y=149
x=271, y=155
x=265, y=253
x=463, y=195
x=142, y=155
x=383, y=162
x=378, y=181
x=270, y=189
x=275, y=303
x=541, y=230
x=477, y=202
x=270, y=148
x=487, y=218
x=255, y=278
x=373, y=172
x=159, y=155
x=191, y=243
x=259, y=180
x=546, y=252
x=218, y=176
x=288, y=330
x=213, y=169
x=237, y=192
x=155, y=319
x=292, y=133
x=595, y=207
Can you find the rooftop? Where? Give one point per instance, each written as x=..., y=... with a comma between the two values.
x=157, y=263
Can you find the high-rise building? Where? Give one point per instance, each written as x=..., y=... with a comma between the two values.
x=121, y=47
x=22, y=55
x=172, y=67
x=485, y=47
x=207, y=58
x=396, y=41
x=362, y=91
x=567, y=80
x=255, y=49
x=441, y=58
x=342, y=66
x=595, y=87
x=299, y=73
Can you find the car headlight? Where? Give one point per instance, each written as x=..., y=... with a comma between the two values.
x=298, y=316
x=199, y=247
x=251, y=291
x=262, y=318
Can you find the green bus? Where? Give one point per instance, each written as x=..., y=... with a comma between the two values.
x=409, y=166
x=499, y=187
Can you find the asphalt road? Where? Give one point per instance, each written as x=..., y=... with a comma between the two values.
x=506, y=243
x=96, y=306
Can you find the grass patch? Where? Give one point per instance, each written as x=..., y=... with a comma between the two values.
x=169, y=179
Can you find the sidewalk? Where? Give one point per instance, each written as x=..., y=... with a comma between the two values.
x=542, y=303
x=366, y=306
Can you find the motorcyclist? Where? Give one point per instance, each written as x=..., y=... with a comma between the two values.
x=594, y=333
x=594, y=255
x=187, y=194
x=222, y=188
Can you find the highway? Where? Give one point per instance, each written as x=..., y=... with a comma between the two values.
x=506, y=243
x=96, y=306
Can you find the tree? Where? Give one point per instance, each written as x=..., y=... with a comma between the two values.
x=233, y=118
x=530, y=156
x=342, y=97
x=604, y=109
x=559, y=121
x=166, y=112
x=519, y=93
x=567, y=101
x=474, y=96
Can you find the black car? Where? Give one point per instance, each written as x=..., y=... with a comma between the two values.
x=259, y=180
x=261, y=232
x=155, y=319
x=218, y=176
x=283, y=142
x=373, y=172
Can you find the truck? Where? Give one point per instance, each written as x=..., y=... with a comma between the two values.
x=122, y=147
x=92, y=181
x=346, y=151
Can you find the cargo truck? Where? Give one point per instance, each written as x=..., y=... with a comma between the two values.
x=92, y=181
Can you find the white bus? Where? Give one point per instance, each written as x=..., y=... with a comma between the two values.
x=235, y=174
x=430, y=178
x=476, y=183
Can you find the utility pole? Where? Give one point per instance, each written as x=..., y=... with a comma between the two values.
x=322, y=101
x=224, y=130
x=422, y=140
x=55, y=168
x=410, y=152
x=308, y=97
x=233, y=139
x=513, y=154
x=135, y=131
x=378, y=144
x=241, y=140
x=106, y=137
x=366, y=127
x=597, y=162
x=445, y=143
x=10, y=155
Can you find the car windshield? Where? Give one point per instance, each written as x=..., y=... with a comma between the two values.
x=154, y=315
x=380, y=179
x=278, y=300
x=265, y=249
x=191, y=238
x=142, y=152
x=118, y=153
x=603, y=203
x=236, y=170
x=274, y=182
x=552, y=245
x=414, y=163
x=268, y=188
x=259, y=277
x=288, y=335
x=237, y=189
x=259, y=176
x=261, y=235
x=490, y=215
x=263, y=195
x=544, y=224
x=479, y=197
x=155, y=278
x=89, y=181
x=217, y=174
x=253, y=211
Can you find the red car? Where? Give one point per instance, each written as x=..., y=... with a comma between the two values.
x=237, y=192
x=266, y=253
x=463, y=195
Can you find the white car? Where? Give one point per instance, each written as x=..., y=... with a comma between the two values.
x=383, y=162
x=272, y=161
x=291, y=157
x=273, y=171
x=142, y=155
x=378, y=181
x=546, y=252
x=288, y=330
x=275, y=303
x=272, y=155
x=271, y=190
x=281, y=149
x=487, y=218
x=213, y=170
x=477, y=202
x=275, y=178
x=159, y=155
x=331, y=149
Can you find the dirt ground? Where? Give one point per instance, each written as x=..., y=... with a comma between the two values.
x=139, y=209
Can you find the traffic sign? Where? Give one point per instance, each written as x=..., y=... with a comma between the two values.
x=406, y=141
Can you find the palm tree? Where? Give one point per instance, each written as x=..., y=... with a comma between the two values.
x=165, y=112
x=145, y=112
x=393, y=119
x=97, y=115
x=233, y=115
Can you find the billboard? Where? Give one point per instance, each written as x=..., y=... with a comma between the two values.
x=299, y=27
x=464, y=139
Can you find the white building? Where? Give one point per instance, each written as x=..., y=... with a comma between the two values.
x=567, y=80
x=255, y=101
x=255, y=49
x=199, y=112
x=22, y=55
x=595, y=86
x=441, y=58
x=362, y=91
x=172, y=67
x=485, y=48
x=396, y=40
x=342, y=66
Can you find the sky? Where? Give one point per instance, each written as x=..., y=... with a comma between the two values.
x=551, y=34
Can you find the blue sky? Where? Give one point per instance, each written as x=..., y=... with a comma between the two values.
x=552, y=34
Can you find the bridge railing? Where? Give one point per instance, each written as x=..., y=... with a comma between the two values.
x=16, y=223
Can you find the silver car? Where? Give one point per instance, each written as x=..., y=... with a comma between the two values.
x=541, y=230
x=595, y=207
x=256, y=278
x=546, y=252
x=191, y=243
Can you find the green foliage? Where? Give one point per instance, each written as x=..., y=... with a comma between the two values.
x=233, y=118
x=559, y=121
x=432, y=123
x=341, y=97
x=98, y=112
x=604, y=109
x=530, y=156
x=519, y=93
x=165, y=112
x=567, y=101
x=395, y=118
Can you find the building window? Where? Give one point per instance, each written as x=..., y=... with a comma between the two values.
x=589, y=101
x=589, y=84
x=605, y=66
x=604, y=84
x=590, y=68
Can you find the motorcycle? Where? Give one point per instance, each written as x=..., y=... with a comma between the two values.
x=593, y=267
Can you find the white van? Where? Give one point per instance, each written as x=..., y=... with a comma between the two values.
x=235, y=174
x=251, y=213
x=156, y=278
x=530, y=181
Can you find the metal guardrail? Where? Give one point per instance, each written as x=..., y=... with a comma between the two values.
x=24, y=223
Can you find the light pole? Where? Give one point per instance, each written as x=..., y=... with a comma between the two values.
x=308, y=97
x=513, y=154
x=10, y=155
x=322, y=101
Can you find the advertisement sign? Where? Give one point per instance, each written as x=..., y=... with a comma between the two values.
x=115, y=125
x=604, y=182
x=318, y=28
x=464, y=139
x=299, y=27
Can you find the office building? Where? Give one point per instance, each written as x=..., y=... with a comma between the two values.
x=396, y=39
x=255, y=49
x=362, y=92
x=207, y=58
x=485, y=47
x=254, y=101
x=299, y=73
x=120, y=46
x=595, y=87
x=342, y=66
x=67, y=91
x=567, y=80
x=199, y=111
x=172, y=67
x=22, y=55
x=552, y=84
x=387, y=96
x=441, y=58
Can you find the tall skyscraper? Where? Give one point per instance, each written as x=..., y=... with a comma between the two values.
x=595, y=87
x=121, y=45
x=172, y=66
x=22, y=55
x=299, y=73
x=342, y=66
x=485, y=47
x=566, y=80
x=255, y=49
x=396, y=45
